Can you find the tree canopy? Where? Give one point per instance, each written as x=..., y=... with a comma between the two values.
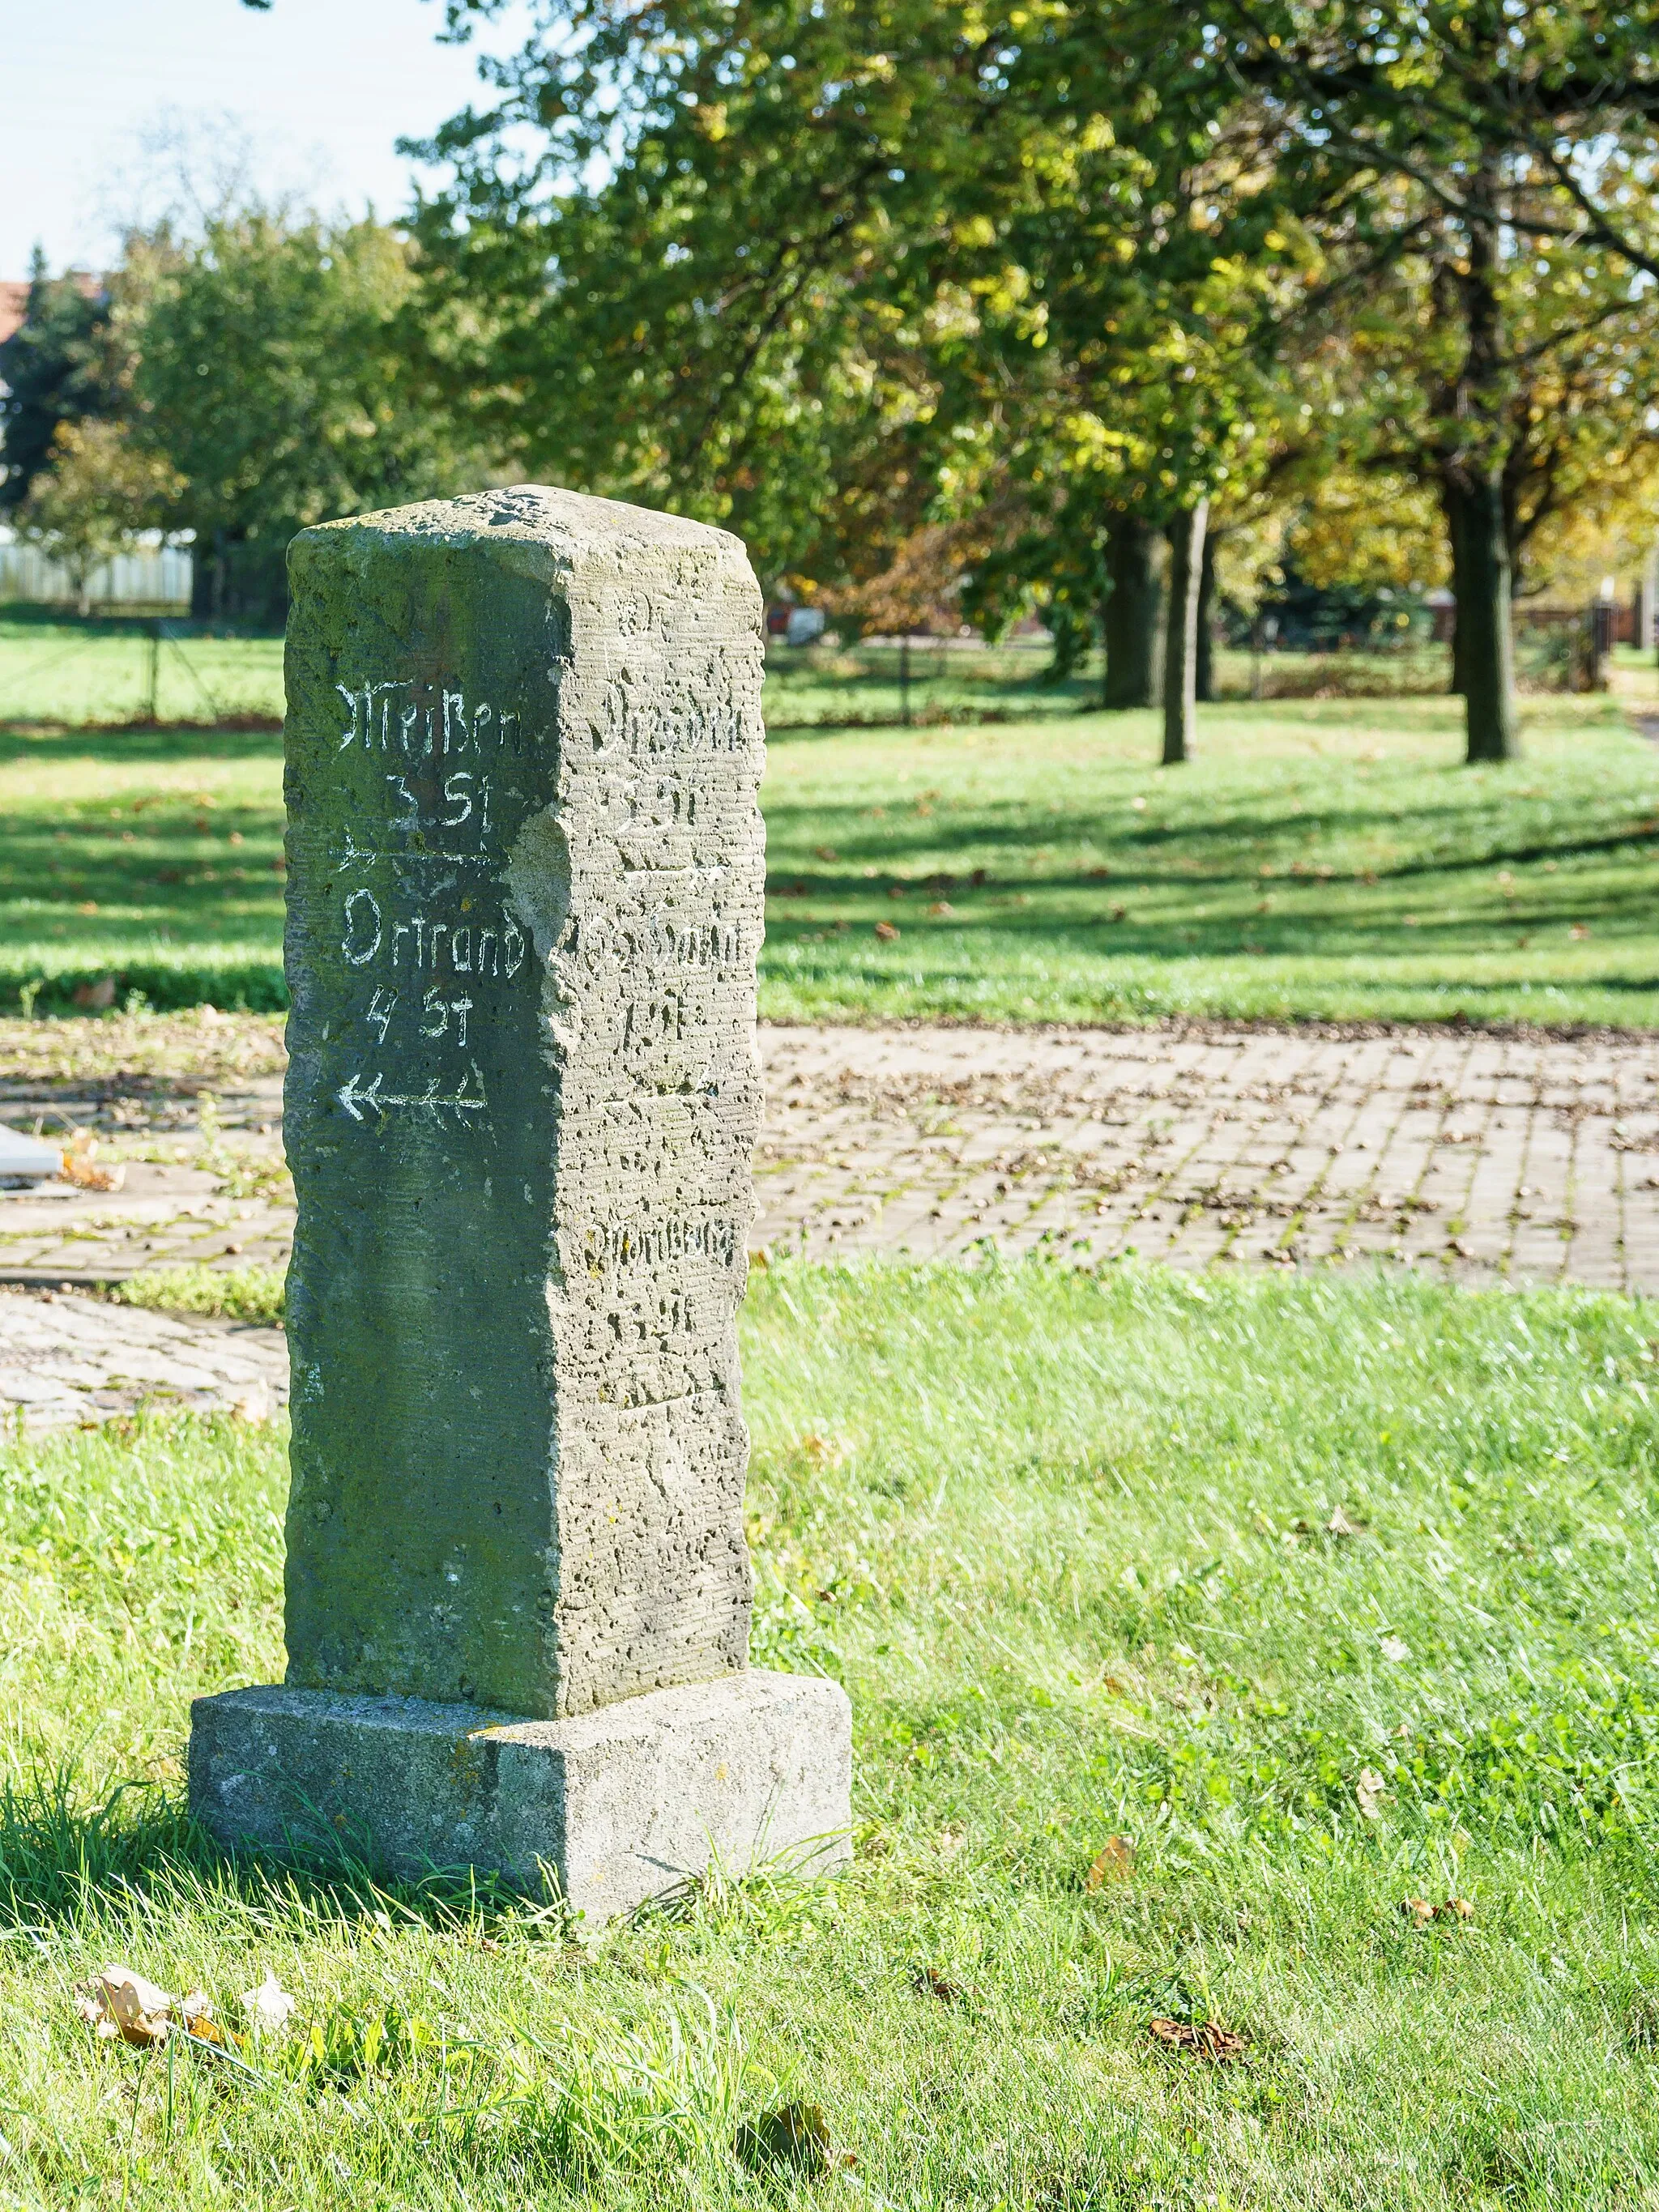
x=951, y=307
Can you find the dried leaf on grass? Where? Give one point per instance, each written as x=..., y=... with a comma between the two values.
x=1339, y=1527
x=1369, y=1791
x=1418, y=1912
x=115, y=2001
x=1198, y=2038
x=1114, y=1861
x=933, y=1984
x=270, y=2008
x=195, y=2014
x=795, y=2136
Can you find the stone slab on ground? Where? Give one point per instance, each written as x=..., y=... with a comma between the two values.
x=626, y=1802
x=1525, y=1158
x=68, y=1362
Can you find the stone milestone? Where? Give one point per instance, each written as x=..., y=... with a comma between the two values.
x=525, y=878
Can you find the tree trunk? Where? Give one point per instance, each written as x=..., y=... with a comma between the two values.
x=1129, y=623
x=1187, y=534
x=1453, y=513
x=1485, y=623
x=1204, y=665
x=1480, y=534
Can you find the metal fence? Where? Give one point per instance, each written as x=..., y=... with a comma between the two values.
x=153, y=577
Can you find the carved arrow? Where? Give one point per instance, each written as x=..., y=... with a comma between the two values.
x=352, y=851
x=355, y=1095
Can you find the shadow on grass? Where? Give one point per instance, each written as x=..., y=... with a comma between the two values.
x=64, y=1855
x=1226, y=842
x=134, y=743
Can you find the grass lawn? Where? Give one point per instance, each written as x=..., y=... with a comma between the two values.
x=1064, y=1541
x=1321, y=858
x=56, y=669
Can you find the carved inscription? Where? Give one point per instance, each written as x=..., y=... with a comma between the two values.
x=420, y=921
x=401, y=715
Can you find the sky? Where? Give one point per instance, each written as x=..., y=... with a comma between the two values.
x=317, y=90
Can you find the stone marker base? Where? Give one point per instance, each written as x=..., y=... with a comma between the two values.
x=619, y=1805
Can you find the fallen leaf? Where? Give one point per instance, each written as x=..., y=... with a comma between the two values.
x=195, y=2014
x=825, y=853
x=795, y=2135
x=81, y=1164
x=1114, y=1861
x=885, y=931
x=1455, y=1908
x=1339, y=1525
x=940, y=909
x=1200, y=2038
x=1417, y=1911
x=932, y=1984
x=270, y=2008
x=1369, y=1791
x=117, y=2001
x=1394, y=1648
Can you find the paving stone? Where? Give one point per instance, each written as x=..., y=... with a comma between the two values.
x=68, y=1362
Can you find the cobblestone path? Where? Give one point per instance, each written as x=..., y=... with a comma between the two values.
x=1530, y=1159
x=1527, y=1160
x=69, y=1362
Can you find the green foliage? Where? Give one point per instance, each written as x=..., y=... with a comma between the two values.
x=923, y=296
x=720, y=325
x=282, y=370
x=1065, y=1539
x=65, y=362
x=97, y=492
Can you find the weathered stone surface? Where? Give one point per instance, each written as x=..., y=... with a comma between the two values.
x=618, y=1806
x=525, y=876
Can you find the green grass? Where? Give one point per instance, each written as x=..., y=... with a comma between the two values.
x=253, y=1294
x=1321, y=858
x=56, y=669
x=1060, y=1537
